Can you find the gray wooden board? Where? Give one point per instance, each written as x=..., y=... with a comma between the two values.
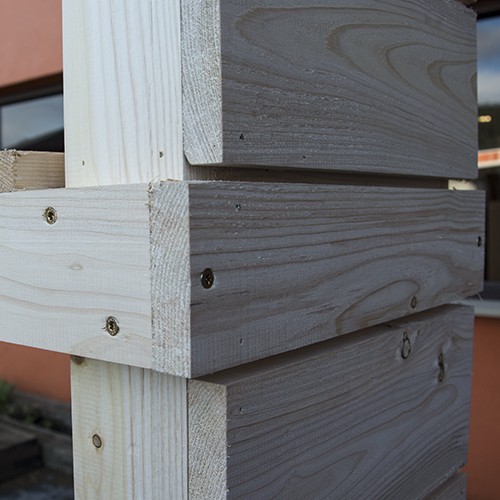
x=294, y=264
x=348, y=418
x=297, y=264
x=355, y=85
x=453, y=489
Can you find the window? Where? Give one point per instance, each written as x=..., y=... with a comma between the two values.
x=489, y=144
x=31, y=116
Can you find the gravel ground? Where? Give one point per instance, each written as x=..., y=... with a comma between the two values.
x=40, y=484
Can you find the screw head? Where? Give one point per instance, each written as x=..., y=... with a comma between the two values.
x=207, y=278
x=413, y=302
x=96, y=440
x=406, y=346
x=112, y=326
x=78, y=360
x=50, y=215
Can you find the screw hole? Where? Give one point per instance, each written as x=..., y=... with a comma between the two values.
x=96, y=441
x=406, y=346
x=479, y=241
x=238, y=207
x=207, y=278
x=242, y=137
x=50, y=215
x=441, y=367
x=112, y=326
x=413, y=302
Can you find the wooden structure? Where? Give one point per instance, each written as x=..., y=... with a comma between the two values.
x=285, y=333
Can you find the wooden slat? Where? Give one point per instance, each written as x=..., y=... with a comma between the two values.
x=453, y=489
x=349, y=418
x=122, y=91
x=129, y=432
x=294, y=263
x=355, y=85
x=297, y=264
x=30, y=170
x=60, y=282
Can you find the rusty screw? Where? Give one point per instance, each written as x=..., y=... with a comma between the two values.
x=207, y=278
x=50, y=215
x=406, y=346
x=78, y=360
x=112, y=326
x=96, y=440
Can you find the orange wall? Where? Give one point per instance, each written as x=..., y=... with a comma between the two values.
x=38, y=372
x=483, y=469
x=30, y=39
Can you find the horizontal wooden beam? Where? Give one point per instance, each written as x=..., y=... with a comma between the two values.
x=342, y=85
x=30, y=170
x=453, y=489
x=378, y=414
x=202, y=276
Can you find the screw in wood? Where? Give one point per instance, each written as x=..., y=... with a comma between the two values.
x=406, y=346
x=50, y=215
x=479, y=241
x=207, y=278
x=413, y=302
x=441, y=367
x=112, y=326
x=96, y=440
x=78, y=360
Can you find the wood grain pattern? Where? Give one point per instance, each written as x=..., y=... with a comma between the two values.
x=140, y=419
x=453, y=489
x=360, y=422
x=360, y=85
x=60, y=282
x=30, y=170
x=298, y=264
x=122, y=91
x=295, y=263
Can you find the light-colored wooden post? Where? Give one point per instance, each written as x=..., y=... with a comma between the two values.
x=123, y=124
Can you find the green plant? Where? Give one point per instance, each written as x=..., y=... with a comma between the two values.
x=5, y=395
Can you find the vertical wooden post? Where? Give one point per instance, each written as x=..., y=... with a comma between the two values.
x=129, y=424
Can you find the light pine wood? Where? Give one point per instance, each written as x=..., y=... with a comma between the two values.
x=352, y=85
x=122, y=91
x=453, y=489
x=61, y=282
x=140, y=419
x=30, y=170
x=294, y=263
x=348, y=418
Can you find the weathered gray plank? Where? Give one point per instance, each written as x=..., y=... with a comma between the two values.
x=453, y=489
x=378, y=414
x=298, y=264
x=359, y=85
x=295, y=263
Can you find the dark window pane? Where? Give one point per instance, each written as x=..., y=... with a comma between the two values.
x=36, y=124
